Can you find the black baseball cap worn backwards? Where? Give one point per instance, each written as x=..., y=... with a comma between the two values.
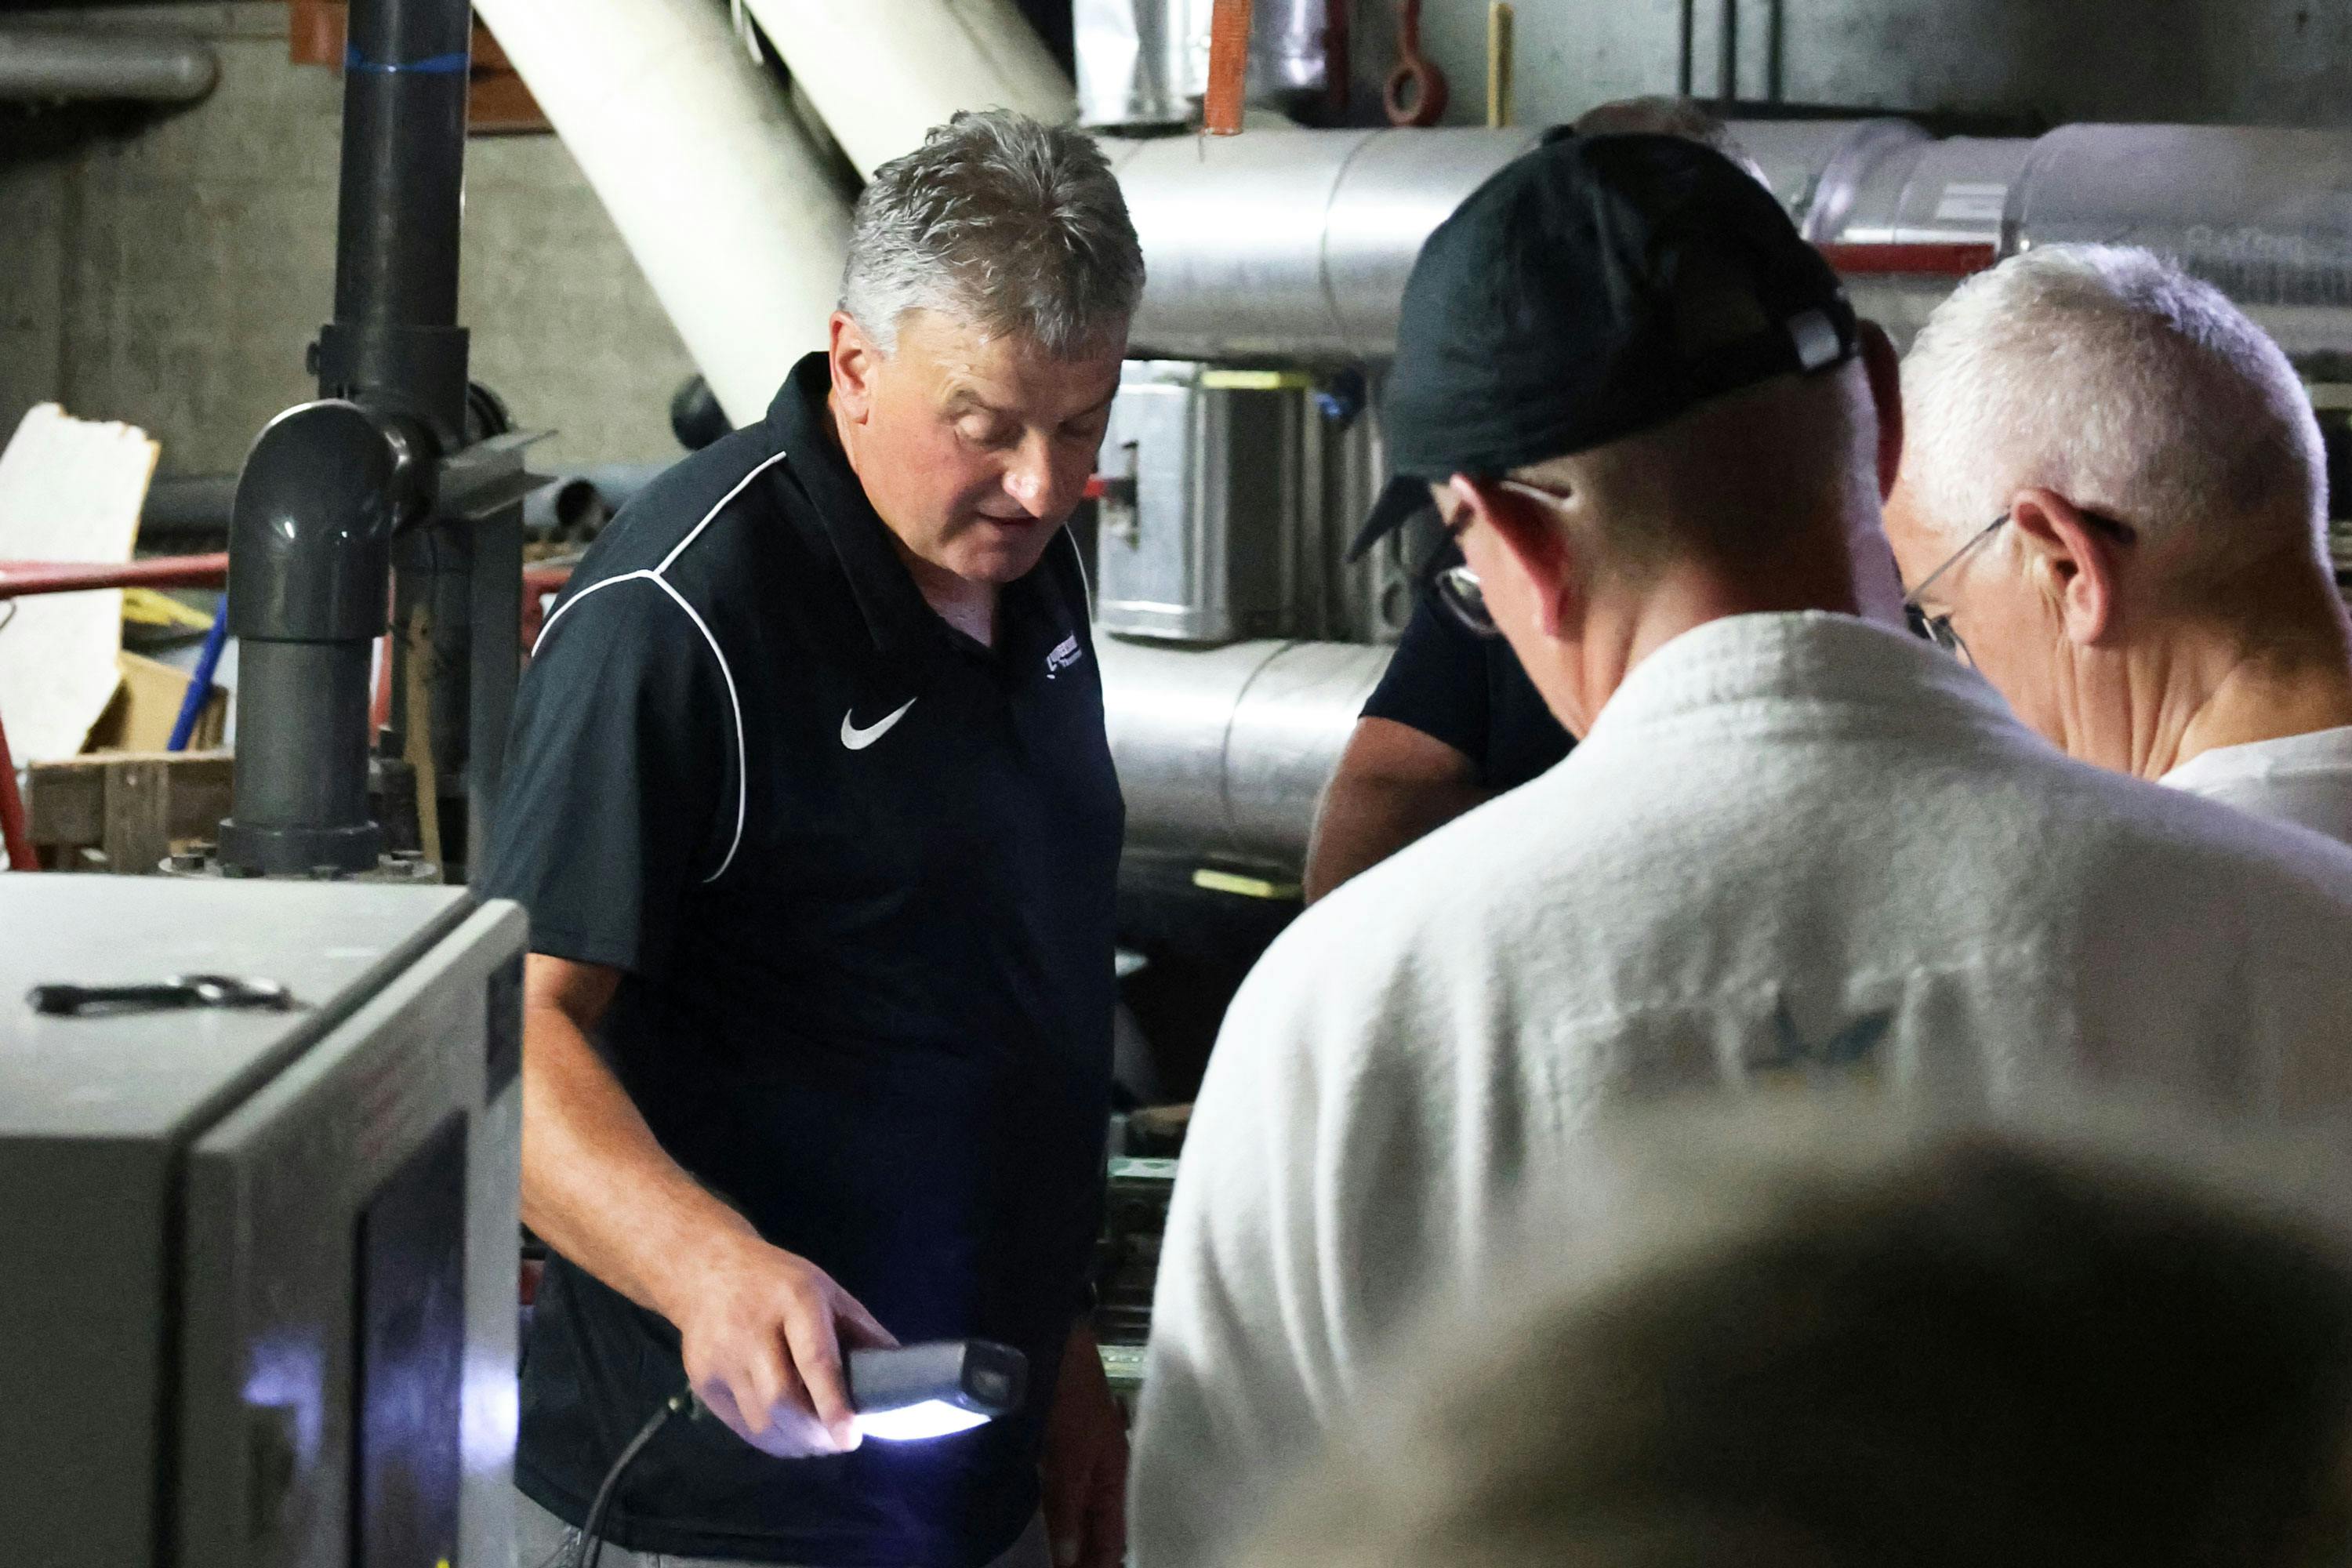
x=1596, y=287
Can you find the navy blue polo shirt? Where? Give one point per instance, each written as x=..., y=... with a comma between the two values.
x=857, y=872
x=1471, y=693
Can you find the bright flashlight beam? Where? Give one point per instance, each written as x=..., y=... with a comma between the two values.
x=913, y=1423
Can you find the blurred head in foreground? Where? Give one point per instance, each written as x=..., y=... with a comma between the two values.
x=1787, y=1344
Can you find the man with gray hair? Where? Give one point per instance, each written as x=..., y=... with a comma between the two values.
x=2113, y=502
x=809, y=802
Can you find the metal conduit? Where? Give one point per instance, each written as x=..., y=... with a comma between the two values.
x=49, y=64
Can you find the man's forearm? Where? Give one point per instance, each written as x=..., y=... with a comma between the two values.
x=1366, y=820
x=597, y=1187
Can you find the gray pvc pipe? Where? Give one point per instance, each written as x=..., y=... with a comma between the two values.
x=51, y=65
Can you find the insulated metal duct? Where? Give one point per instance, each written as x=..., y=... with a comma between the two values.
x=1292, y=245
x=1225, y=752
x=2263, y=213
x=723, y=200
x=882, y=75
x=49, y=64
x=1295, y=244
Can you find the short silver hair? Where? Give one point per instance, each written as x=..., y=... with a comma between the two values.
x=2108, y=375
x=1000, y=222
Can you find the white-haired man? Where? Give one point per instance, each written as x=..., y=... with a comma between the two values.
x=811, y=804
x=2113, y=502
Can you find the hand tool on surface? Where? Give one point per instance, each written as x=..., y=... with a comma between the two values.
x=178, y=991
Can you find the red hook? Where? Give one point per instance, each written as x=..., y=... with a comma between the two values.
x=1416, y=89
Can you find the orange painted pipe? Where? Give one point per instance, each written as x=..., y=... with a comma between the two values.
x=1228, y=42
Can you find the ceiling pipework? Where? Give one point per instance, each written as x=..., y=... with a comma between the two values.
x=723, y=199
x=1294, y=246
x=882, y=75
x=1144, y=64
x=49, y=64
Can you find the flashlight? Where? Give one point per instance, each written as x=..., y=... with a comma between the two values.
x=915, y=1391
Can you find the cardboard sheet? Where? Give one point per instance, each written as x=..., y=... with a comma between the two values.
x=70, y=490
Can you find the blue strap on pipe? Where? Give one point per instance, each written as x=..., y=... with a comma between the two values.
x=200, y=684
x=432, y=65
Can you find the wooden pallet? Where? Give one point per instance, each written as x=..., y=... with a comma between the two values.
x=123, y=811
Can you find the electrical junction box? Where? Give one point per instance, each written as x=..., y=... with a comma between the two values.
x=1205, y=484
x=257, y=1269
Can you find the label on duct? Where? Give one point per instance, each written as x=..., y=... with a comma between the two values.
x=1973, y=202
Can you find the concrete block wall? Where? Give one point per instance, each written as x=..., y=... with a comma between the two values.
x=171, y=275
x=2260, y=62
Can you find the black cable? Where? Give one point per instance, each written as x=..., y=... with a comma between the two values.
x=589, y=1550
x=1727, y=68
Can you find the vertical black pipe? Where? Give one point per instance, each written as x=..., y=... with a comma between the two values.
x=1776, y=24
x=395, y=345
x=405, y=79
x=325, y=488
x=1727, y=59
x=1684, y=60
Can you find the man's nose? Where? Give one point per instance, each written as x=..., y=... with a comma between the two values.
x=1031, y=480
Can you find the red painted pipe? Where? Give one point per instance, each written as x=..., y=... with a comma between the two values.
x=1924, y=260
x=19, y=579
x=13, y=831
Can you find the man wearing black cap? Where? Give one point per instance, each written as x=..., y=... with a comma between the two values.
x=1793, y=845
x=1454, y=720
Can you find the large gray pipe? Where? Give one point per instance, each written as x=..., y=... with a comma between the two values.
x=1224, y=752
x=1294, y=245
x=309, y=556
x=1291, y=243
x=50, y=65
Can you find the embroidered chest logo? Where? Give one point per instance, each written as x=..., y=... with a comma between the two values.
x=1066, y=653
x=857, y=740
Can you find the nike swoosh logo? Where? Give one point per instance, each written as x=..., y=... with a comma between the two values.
x=857, y=740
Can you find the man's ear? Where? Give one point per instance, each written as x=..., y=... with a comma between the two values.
x=853, y=359
x=2081, y=564
x=1535, y=546
x=1883, y=367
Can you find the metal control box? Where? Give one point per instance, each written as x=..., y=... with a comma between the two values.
x=1205, y=482
x=257, y=1270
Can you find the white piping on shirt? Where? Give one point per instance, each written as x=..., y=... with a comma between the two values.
x=742, y=764
x=1086, y=589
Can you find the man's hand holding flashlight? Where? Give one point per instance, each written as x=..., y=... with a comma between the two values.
x=765, y=1332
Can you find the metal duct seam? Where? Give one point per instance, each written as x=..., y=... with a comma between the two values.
x=46, y=65
x=1225, y=752
x=731, y=212
x=2263, y=213
x=1292, y=245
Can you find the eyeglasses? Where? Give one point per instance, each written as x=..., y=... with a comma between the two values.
x=1937, y=629
x=1449, y=579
